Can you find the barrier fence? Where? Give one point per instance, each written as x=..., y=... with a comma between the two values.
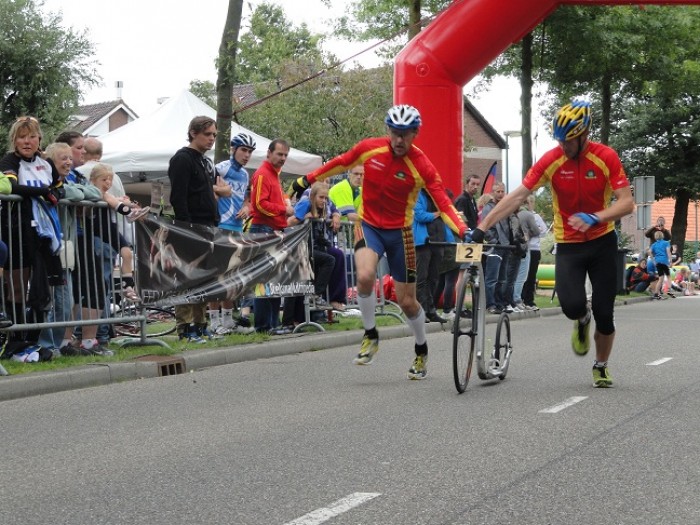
x=50, y=294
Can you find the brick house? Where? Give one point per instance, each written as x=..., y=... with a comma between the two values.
x=93, y=120
x=663, y=208
x=483, y=144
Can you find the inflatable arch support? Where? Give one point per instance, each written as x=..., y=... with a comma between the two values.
x=431, y=71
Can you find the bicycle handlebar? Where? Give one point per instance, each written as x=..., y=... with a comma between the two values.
x=485, y=244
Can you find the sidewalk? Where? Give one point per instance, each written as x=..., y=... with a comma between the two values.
x=25, y=385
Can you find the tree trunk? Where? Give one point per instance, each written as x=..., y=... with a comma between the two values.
x=414, y=18
x=226, y=64
x=606, y=103
x=526, y=101
x=680, y=218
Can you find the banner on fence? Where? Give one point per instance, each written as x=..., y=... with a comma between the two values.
x=179, y=263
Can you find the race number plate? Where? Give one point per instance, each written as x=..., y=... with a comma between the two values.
x=468, y=252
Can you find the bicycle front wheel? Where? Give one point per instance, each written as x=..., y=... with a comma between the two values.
x=502, y=346
x=159, y=322
x=465, y=330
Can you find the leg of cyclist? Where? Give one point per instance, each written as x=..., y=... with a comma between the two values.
x=366, y=261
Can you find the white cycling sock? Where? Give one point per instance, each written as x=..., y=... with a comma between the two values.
x=214, y=319
x=417, y=325
x=367, y=304
x=227, y=318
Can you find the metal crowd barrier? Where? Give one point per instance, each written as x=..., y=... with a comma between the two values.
x=25, y=295
x=344, y=240
x=32, y=305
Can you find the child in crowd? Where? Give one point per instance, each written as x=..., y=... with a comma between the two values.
x=682, y=282
x=661, y=253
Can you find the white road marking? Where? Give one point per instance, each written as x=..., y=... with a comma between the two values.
x=564, y=404
x=659, y=361
x=334, y=509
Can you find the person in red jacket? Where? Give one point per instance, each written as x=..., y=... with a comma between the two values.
x=395, y=172
x=269, y=210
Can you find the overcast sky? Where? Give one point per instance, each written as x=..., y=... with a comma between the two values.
x=156, y=47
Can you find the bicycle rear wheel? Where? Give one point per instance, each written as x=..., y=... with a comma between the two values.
x=159, y=322
x=465, y=330
x=502, y=347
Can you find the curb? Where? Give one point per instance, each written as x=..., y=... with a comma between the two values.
x=27, y=385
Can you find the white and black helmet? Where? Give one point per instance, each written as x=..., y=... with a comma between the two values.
x=243, y=139
x=403, y=116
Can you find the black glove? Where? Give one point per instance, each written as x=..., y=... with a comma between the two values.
x=477, y=236
x=298, y=186
x=55, y=194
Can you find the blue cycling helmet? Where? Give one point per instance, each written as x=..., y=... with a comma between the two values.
x=403, y=116
x=572, y=120
x=243, y=139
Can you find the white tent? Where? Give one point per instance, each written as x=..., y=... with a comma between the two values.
x=141, y=149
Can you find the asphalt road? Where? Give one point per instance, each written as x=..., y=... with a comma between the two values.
x=309, y=438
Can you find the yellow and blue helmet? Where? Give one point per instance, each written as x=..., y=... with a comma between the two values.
x=572, y=120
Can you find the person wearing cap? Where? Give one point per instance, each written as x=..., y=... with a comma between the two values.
x=234, y=209
x=395, y=171
x=584, y=176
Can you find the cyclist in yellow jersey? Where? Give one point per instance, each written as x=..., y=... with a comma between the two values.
x=584, y=176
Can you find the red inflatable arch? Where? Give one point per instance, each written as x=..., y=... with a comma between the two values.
x=431, y=71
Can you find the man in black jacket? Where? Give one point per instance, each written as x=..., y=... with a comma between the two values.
x=466, y=204
x=193, y=184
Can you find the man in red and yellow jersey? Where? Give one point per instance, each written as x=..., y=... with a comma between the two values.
x=395, y=172
x=584, y=177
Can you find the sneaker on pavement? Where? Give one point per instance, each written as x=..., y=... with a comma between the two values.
x=494, y=310
x=192, y=337
x=433, y=317
x=419, y=369
x=508, y=309
x=244, y=330
x=602, y=377
x=98, y=350
x=222, y=330
x=243, y=321
x=130, y=294
x=580, y=337
x=449, y=316
x=368, y=349
x=205, y=332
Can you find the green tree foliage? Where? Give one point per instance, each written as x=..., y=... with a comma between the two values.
x=271, y=42
x=396, y=21
x=43, y=66
x=204, y=90
x=326, y=115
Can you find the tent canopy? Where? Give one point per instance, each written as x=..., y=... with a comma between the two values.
x=141, y=149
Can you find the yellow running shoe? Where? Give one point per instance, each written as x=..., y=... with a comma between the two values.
x=420, y=367
x=580, y=337
x=601, y=377
x=368, y=350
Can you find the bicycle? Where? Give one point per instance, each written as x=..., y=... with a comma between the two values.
x=468, y=341
x=158, y=322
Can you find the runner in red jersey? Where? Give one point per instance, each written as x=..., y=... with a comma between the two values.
x=584, y=177
x=395, y=172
